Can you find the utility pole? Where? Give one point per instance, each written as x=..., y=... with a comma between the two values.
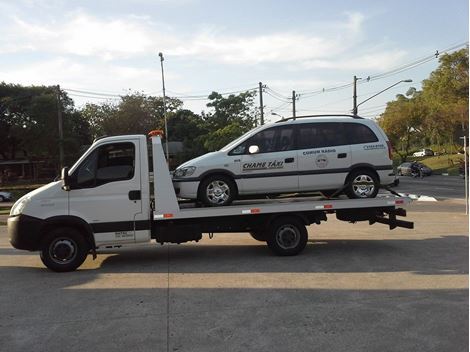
x=61, y=129
x=164, y=109
x=261, y=108
x=355, y=95
x=293, y=104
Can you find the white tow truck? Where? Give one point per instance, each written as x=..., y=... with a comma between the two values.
x=105, y=200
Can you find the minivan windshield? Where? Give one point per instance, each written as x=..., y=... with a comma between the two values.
x=236, y=141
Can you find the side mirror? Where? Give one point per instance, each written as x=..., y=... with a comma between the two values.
x=64, y=176
x=253, y=149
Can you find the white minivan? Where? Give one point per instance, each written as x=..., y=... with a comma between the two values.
x=308, y=153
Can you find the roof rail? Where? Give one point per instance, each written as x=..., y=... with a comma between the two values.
x=324, y=115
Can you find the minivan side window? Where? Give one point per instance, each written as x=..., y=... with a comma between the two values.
x=108, y=163
x=321, y=134
x=270, y=140
x=359, y=133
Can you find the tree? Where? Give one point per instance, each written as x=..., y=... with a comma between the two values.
x=231, y=117
x=134, y=114
x=446, y=93
x=28, y=123
x=402, y=121
x=436, y=115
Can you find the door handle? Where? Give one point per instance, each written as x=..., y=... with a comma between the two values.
x=289, y=160
x=342, y=155
x=135, y=195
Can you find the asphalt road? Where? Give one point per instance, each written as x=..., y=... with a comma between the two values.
x=355, y=288
x=440, y=187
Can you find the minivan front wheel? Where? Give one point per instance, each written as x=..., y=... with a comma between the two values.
x=217, y=190
x=362, y=184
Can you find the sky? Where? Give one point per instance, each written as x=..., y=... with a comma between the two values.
x=98, y=50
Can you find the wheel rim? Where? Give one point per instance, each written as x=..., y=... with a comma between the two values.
x=63, y=250
x=218, y=192
x=363, y=186
x=288, y=237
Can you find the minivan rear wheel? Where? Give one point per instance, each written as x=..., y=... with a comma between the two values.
x=362, y=184
x=217, y=190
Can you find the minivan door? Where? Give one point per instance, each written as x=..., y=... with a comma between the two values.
x=324, y=156
x=106, y=191
x=273, y=168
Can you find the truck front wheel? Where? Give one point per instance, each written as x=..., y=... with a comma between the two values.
x=287, y=236
x=64, y=249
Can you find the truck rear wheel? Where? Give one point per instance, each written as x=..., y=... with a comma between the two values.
x=64, y=249
x=287, y=236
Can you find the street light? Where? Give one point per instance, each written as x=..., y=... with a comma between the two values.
x=393, y=85
x=164, y=108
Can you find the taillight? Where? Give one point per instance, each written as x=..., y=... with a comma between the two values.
x=390, y=150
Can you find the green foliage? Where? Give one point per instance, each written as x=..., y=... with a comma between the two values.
x=135, y=114
x=231, y=117
x=29, y=123
x=437, y=115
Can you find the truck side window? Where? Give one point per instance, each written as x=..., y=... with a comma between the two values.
x=108, y=163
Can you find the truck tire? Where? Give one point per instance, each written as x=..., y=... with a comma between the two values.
x=261, y=236
x=287, y=236
x=217, y=190
x=64, y=249
x=362, y=183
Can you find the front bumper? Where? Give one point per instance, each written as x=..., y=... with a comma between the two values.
x=25, y=231
x=186, y=189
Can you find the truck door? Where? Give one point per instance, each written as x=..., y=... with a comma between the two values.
x=106, y=191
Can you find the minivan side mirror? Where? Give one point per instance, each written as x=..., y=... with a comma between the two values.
x=64, y=176
x=253, y=149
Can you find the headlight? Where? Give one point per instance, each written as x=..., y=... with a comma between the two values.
x=18, y=207
x=184, y=171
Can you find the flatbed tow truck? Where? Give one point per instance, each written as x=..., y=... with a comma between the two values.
x=91, y=208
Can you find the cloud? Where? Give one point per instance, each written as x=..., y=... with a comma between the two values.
x=132, y=36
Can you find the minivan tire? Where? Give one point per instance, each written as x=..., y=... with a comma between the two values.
x=362, y=183
x=217, y=190
x=64, y=249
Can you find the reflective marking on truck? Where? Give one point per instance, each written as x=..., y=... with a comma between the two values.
x=163, y=216
x=325, y=206
x=251, y=211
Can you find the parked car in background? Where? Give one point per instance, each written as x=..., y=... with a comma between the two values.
x=405, y=169
x=5, y=196
x=423, y=152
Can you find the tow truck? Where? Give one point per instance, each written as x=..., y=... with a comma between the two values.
x=108, y=199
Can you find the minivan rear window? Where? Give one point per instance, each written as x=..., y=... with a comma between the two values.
x=359, y=133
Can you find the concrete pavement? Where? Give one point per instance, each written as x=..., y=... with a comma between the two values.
x=355, y=288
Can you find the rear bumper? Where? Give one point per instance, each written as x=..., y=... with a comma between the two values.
x=25, y=232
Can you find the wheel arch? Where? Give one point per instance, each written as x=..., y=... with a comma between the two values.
x=217, y=172
x=362, y=166
x=70, y=221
